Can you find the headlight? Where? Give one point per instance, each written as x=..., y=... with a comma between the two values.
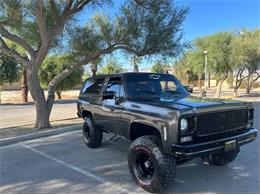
x=184, y=124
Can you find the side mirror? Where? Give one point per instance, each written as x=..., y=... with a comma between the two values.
x=189, y=89
x=108, y=95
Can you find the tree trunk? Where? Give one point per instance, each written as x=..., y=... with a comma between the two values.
x=43, y=108
x=58, y=94
x=200, y=85
x=250, y=86
x=250, y=82
x=42, y=116
x=209, y=80
x=24, y=87
x=247, y=83
x=94, y=72
x=136, y=69
x=236, y=86
x=219, y=86
x=248, y=90
x=235, y=91
x=238, y=80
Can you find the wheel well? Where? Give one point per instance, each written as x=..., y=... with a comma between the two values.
x=139, y=130
x=86, y=114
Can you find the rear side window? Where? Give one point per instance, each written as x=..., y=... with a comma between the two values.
x=93, y=85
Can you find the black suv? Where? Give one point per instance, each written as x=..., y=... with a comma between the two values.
x=164, y=123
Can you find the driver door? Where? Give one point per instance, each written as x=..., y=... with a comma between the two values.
x=112, y=108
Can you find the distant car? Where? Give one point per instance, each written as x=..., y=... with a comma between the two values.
x=164, y=123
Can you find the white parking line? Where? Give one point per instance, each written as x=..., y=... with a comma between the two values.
x=74, y=168
x=65, y=164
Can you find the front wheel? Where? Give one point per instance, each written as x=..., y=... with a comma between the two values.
x=222, y=158
x=92, y=136
x=149, y=167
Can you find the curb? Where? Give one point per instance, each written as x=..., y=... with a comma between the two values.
x=63, y=101
x=24, y=125
x=13, y=140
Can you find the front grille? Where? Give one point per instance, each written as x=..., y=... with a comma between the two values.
x=215, y=123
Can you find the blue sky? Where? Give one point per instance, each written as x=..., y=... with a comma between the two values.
x=206, y=17
x=210, y=16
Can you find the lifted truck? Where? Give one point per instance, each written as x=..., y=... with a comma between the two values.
x=164, y=123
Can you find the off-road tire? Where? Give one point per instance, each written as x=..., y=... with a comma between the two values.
x=221, y=159
x=164, y=165
x=92, y=136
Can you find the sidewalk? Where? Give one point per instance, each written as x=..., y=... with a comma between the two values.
x=23, y=115
x=18, y=120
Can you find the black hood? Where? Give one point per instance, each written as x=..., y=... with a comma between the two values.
x=191, y=102
x=195, y=102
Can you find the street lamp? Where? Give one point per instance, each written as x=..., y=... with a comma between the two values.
x=206, y=72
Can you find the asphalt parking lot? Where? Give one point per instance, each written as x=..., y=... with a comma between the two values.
x=63, y=164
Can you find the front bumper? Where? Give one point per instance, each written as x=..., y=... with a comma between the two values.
x=201, y=149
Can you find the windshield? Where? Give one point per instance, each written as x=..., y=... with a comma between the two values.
x=154, y=86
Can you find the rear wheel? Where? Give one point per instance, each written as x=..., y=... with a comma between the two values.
x=92, y=136
x=221, y=159
x=149, y=167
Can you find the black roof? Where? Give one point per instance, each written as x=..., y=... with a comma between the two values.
x=128, y=73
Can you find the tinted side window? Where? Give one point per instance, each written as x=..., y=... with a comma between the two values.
x=93, y=85
x=114, y=85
